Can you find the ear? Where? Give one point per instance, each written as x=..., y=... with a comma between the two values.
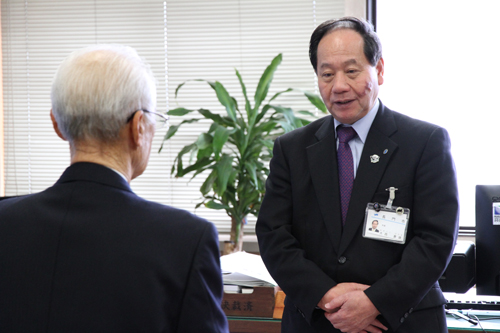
x=137, y=129
x=380, y=71
x=56, y=126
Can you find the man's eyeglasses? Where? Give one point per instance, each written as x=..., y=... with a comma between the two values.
x=160, y=119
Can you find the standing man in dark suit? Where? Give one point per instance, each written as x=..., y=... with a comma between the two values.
x=338, y=278
x=89, y=255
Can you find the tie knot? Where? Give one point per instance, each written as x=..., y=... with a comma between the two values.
x=345, y=134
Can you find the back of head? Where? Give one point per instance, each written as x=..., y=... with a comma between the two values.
x=372, y=45
x=97, y=88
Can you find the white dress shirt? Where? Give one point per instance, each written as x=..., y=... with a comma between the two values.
x=362, y=126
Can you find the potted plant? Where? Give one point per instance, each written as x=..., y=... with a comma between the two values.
x=236, y=149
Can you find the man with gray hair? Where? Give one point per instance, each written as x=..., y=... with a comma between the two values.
x=89, y=255
x=331, y=178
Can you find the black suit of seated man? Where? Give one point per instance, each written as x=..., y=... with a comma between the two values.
x=88, y=254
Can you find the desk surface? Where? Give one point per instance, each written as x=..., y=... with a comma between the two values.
x=456, y=325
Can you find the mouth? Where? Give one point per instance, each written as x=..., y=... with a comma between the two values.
x=343, y=102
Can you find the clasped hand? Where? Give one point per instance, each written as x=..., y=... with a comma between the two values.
x=349, y=309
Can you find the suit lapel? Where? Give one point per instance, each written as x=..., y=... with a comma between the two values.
x=322, y=160
x=369, y=174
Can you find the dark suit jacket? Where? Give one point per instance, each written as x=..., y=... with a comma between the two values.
x=300, y=232
x=89, y=255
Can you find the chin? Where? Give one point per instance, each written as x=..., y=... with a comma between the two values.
x=348, y=117
x=344, y=119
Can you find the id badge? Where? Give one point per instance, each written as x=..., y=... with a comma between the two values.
x=496, y=213
x=385, y=222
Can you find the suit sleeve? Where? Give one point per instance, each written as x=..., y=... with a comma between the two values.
x=434, y=225
x=300, y=278
x=201, y=307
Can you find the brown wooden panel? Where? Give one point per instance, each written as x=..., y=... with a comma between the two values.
x=254, y=326
x=260, y=303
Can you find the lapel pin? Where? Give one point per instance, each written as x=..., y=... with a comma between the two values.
x=374, y=158
x=385, y=151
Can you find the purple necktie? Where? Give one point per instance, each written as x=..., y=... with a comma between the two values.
x=346, y=167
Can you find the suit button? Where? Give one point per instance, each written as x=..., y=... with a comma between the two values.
x=411, y=310
x=402, y=320
x=406, y=315
x=342, y=260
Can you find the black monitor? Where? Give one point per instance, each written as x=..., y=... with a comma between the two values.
x=488, y=239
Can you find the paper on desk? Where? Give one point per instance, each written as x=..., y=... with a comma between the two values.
x=245, y=269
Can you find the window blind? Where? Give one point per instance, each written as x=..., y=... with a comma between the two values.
x=182, y=40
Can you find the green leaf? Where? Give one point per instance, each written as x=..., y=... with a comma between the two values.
x=223, y=168
x=307, y=113
x=287, y=127
x=171, y=131
x=200, y=170
x=304, y=121
x=232, y=177
x=240, y=121
x=239, y=138
x=279, y=93
x=210, y=83
x=249, y=198
x=204, y=141
x=173, y=128
x=268, y=143
x=235, y=102
x=179, y=87
x=184, y=150
x=268, y=126
x=220, y=138
x=199, y=80
x=292, y=121
x=200, y=164
x=252, y=171
x=213, y=205
x=216, y=118
x=179, y=112
x=208, y=183
x=248, y=107
x=265, y=81
x=180, y=170
x=261, y=182
x=262, y=113
x=229, y=199
x=316, y=101
x=226, y=100
x=209, y=115
x=213, y=127
x=202, y=153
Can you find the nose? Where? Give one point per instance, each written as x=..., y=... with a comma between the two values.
x=340, y=84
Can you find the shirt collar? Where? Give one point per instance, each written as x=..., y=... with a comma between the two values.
x=119, y=173
x=362, y=126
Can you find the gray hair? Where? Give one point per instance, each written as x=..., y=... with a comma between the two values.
x=372, y=45
x=97, y=88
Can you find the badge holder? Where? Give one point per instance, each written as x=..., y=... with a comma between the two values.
x=385, y=222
